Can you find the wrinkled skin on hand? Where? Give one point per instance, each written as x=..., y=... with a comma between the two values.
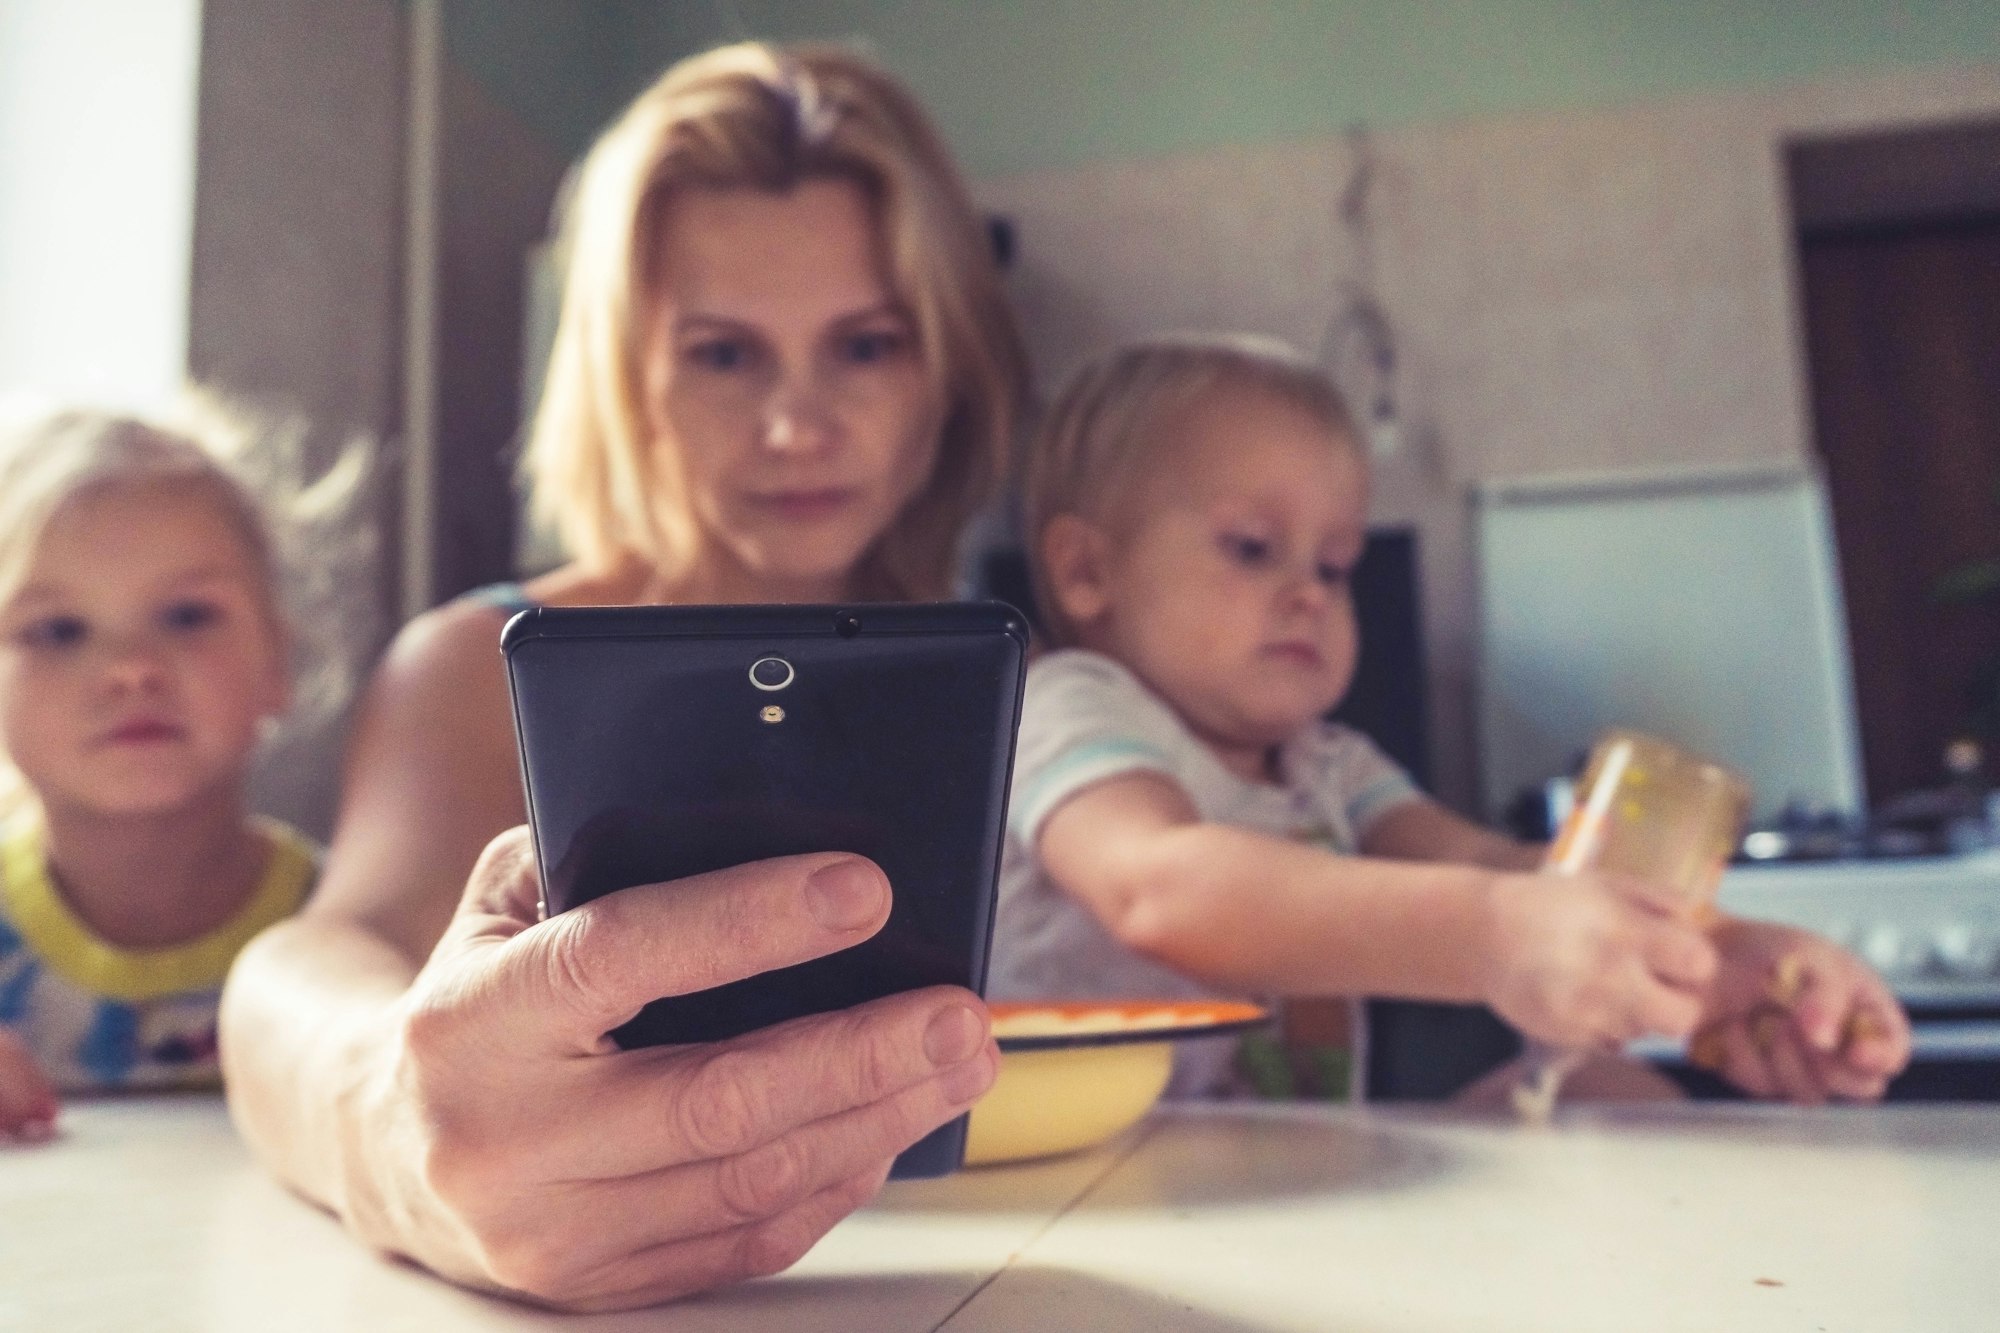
x=508, y=1144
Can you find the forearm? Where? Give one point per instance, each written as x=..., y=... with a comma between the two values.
x=1423, y=830
x=305, y=1023
x=1250, y=912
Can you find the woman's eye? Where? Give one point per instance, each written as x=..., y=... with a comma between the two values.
x=189, y=616
x=721, y=354
x=1246, y=550
x=54, y=632
x=871, y=346
x=1332, y=575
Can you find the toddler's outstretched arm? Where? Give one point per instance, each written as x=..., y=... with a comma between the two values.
x=1423, y=830
x=1583, y=960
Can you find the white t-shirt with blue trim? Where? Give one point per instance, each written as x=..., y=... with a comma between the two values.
x=1087, y=719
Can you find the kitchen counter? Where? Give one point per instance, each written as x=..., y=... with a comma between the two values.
x=148, y=1214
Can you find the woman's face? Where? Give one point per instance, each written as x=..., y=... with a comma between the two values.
x=790, y=380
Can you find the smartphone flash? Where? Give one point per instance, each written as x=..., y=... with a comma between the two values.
x=771, y=713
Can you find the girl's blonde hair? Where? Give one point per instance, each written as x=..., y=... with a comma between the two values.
x=1115, y=420
x=764, y=117
x=303, y=539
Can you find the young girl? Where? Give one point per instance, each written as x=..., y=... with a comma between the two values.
x=1184, y=823
x=142, y=655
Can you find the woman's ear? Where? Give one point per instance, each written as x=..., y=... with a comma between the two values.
x=1076, y=564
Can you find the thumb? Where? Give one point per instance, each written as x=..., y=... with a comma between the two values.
x=583, y=972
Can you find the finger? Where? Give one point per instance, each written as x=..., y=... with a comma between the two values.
x=27, y=1099
x=1789, y=1059
x=1846, y=1081
x=592, y=968
x=1819, y=999
x=1743, y=1064
x=670, y=1105
x=1679, y=956
x=503, y=895
x=1707, y=1050
x=683, y=1267
x=1876, y=1037
x=1662, y=1010
x=639, y=1212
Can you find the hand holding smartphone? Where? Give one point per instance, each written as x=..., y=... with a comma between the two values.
x=662, y=742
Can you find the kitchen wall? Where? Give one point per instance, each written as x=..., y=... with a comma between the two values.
x=1021, y=85
x=1570, y=292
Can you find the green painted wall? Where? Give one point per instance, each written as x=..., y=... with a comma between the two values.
x=1022, y=84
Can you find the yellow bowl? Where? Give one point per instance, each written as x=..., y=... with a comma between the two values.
x=1074, y=1074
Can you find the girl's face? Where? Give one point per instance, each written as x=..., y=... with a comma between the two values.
x=789, y=379
x=1227, y=592
x=138, y=656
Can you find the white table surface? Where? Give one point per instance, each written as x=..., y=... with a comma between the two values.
x=148, y=1215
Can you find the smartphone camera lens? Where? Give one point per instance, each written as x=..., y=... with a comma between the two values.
x=847, y=624
x=771, y=673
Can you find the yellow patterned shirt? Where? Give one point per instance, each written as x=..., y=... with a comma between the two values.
x=97, y=1015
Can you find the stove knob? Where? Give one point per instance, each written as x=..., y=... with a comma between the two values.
x=1883, y=948
x=1965, y=952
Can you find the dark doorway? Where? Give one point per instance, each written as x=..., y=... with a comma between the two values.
x=1899, y=247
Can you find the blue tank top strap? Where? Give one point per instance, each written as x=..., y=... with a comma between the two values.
x=508, y=597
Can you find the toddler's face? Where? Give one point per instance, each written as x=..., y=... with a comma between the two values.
x=138, y=656
x=1229, y=593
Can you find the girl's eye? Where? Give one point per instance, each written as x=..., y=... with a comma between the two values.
x=871, y=346
x=54, y=632
x=1332, y=575
x=190, y=616
x=1246, y=550
x=722, y=354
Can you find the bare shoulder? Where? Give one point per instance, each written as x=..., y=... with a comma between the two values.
x=438, y=706
x=448, y=647
x=431, y=776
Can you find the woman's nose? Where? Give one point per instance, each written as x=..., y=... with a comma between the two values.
x=799, y=417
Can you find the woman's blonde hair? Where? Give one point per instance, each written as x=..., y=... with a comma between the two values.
x=1115, y=420
x=765, y=117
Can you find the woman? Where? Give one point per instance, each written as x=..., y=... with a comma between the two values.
x=784, y=371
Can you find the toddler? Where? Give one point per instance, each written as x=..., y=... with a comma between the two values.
x=143, y=653
x=1185, y=824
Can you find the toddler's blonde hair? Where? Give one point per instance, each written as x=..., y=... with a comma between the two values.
x=1116, y=419
x=765, y=117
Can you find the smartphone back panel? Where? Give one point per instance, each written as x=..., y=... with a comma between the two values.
x=649, y=754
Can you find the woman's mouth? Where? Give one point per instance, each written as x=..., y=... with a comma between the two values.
x=804, y=505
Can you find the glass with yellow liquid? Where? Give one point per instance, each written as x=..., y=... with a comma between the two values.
x=1648, y=808
x=1644, y=807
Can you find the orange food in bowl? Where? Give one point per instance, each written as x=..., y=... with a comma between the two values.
x=1075, y=1074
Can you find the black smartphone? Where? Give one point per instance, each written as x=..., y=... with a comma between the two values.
x=662, y=742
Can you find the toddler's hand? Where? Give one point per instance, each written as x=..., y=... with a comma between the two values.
x=27, y=1100
x=1593, y=960
x=1793, y=1015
